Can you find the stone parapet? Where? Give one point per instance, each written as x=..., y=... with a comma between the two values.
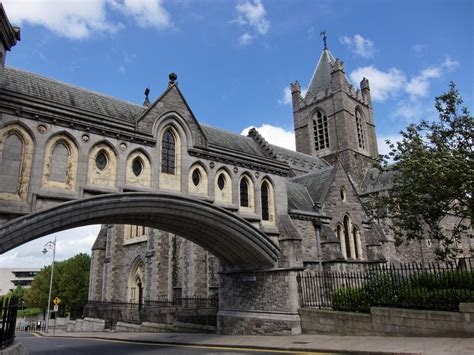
x=86, y=325
x=391, y=322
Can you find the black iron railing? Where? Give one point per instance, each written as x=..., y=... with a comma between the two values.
x=9, y=306
x=162, y=310
x=435, y=286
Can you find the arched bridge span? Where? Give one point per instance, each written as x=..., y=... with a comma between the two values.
x=230, y=238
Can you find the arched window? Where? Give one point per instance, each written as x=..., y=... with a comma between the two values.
x=342, y=241
x=138, y=169
x=347, y=236
x=356, y=238
x=244, y=192
x=101, y=160
x=137, y=166
x=16, y=152
x=320, y=131
x=264, y=193
x=223, y=187
x=198, y=182
x=360, y=129
x=267, y=202
x=168, y=153
x=11, y=164
x=59, y=163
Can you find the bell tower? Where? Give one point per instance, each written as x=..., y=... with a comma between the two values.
x=334, y=120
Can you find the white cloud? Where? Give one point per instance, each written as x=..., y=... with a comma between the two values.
x=419, y=84
x=382, y=84
x=82, y=19
x=286, y=95
x=361, y=46
x=252, y=16
x=275, y=135
x=383, y=146
x=245, y=39
x=69, y=243
x=71, y=19
x=148, y=13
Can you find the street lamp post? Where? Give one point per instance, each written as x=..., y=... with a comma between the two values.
x=50, y=245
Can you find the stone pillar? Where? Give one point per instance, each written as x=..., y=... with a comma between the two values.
x=261, y=302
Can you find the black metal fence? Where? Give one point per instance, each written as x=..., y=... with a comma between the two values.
x=197, y=310
x=435, y=286
x=10, y=307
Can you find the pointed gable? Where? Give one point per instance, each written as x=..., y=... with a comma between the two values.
x=172, y=101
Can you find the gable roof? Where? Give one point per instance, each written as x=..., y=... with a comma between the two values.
x=317, y=183
x=299, y=198
x=57, y=92
x=376, y=180
x=232, y=141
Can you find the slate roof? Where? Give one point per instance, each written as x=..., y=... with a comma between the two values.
x=317, y=183
x=53, y=91
x=376, y=180
x=287, y=154
x=322, y=74
x=321, y=79
x=232, y=141
x=299, y=198
x=101, y=240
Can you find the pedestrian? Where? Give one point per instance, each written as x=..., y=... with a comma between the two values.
x=38, y=326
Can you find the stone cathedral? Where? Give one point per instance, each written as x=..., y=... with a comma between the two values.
x=254, y=214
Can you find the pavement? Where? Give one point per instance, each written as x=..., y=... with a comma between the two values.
x=301, y=343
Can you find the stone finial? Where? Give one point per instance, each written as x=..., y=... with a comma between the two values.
x=147, y=102
x=338, y=65
x=173, y=77
x=295, y=87
x=364, y=84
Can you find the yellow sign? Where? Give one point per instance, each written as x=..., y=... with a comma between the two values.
x=56, y=301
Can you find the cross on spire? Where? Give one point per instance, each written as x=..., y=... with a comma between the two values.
x=323, y=34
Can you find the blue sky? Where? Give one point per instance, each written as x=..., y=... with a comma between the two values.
x=236, y=59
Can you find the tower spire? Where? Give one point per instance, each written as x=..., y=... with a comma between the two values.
x=323, y=34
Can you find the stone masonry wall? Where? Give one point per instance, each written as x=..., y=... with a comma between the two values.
x=391, y=322
x=258, y=303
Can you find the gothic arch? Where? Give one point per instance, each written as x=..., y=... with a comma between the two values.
x=223, y=188
x=136, y=282
x=267, y=201
x=198, y=180
x=170, y=148
x=102, y=172
x=60, y=172
x=14, y=187
x=320, y=129
x=246, y=190
x=360, y=127
x=140, y=175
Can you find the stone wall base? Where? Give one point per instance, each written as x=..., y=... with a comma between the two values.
x=239, y=322
x=86, y=325
x=149, y=327
x=391, y=322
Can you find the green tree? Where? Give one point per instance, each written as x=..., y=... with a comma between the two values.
x=70, y=284
x=433, y=178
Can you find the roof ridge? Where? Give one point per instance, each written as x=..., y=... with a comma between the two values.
x=315, y=172
x=76, y=87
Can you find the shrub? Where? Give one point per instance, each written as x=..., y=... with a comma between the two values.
x=29, y=312
x=351, y=300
